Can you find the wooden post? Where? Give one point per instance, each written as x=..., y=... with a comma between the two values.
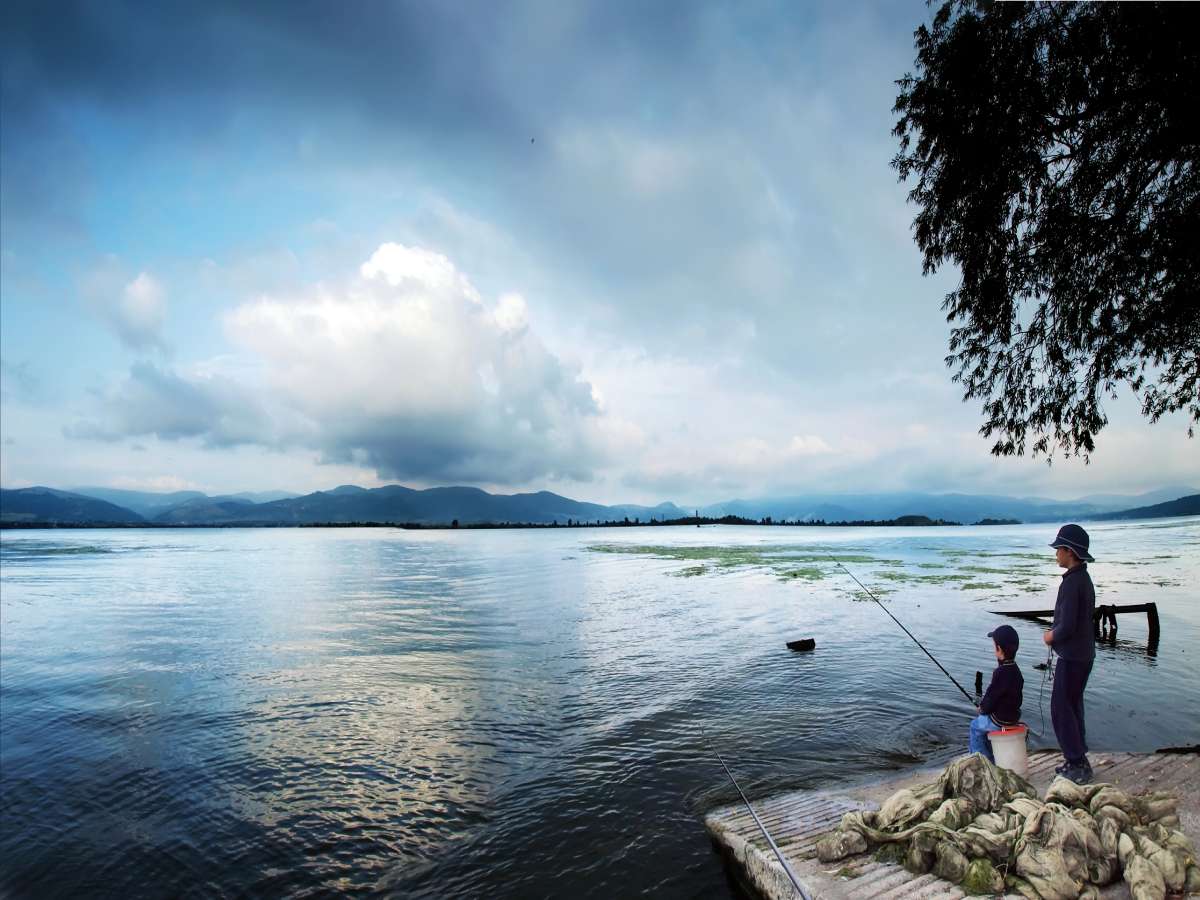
x=1108, y=611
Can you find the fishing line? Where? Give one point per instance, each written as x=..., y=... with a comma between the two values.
x=1046, y=677
x=757, y=821
x=970, y=699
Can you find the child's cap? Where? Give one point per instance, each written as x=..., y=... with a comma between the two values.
x=1006, y=639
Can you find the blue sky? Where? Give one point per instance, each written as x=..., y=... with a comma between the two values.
x=619, y=251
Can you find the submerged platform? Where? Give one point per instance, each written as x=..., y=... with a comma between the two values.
x=797, y=819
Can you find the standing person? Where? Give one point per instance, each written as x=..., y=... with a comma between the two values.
x=1072, y=636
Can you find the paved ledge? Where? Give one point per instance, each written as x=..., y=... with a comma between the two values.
x=798, y=818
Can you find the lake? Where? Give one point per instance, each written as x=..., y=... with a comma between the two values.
x=228, y=712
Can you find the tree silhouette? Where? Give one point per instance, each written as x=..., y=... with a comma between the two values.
x=1054, y=149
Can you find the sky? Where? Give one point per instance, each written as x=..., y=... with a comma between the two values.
x=625, y=252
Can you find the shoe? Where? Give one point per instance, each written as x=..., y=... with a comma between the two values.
x=1061, y=768
x=1081, y=774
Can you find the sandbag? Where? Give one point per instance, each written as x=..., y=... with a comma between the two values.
x=922, y=853
x=1052, y=853
x=1179, y=843
x=986, y=785
x=953, y=813
x=978, y=842
x=950, y=863
x=1126, y=849
x=1016, y=884
x=976, y=821
x=1068, y=793
x=1156, y=806
x=1164, y=860
x=982, y=878
x=1110, y=837
x=996, y=821
x=1107, y=795
x=1116, y=814
x=1022, y=807
x=1191, y=883
x=907, y=807
x=840, y=844
x=1144, y=880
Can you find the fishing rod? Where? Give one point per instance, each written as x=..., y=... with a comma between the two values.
x=836, y=562
x=757, y=821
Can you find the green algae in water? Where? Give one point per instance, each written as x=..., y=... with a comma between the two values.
x=988, y=554
x=787, y=562
x=810, y=574
x=979, y=586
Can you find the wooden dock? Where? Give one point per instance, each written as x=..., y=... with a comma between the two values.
x=797, y=819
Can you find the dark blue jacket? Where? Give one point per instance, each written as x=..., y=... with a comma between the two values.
x=1002, y=699
x=1074, y=634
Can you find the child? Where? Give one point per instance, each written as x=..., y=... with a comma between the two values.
x=1001, y=703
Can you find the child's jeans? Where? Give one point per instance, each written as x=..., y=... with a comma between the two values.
x=978, y=742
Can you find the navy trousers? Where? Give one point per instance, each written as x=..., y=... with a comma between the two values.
x=1066, y=707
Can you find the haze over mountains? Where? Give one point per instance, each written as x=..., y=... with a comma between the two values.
x=471, y=506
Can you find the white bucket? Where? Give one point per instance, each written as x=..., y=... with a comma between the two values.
x=1008, y=746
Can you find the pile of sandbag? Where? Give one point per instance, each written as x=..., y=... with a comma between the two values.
x=985, y=829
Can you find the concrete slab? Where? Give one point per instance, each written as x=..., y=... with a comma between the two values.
x=797, y=819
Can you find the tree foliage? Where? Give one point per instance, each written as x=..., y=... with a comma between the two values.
x=1054, y=152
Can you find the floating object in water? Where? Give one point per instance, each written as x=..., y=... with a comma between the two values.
x=1008, y=746
x=802, y=644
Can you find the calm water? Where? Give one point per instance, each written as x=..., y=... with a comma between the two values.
x=521, y=714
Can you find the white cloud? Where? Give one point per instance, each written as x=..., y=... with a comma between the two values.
x=163, y=484
x=405, y=370
x=135, y=309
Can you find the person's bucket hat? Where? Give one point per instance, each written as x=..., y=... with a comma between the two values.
x=1074, y=539
x=1006, y=639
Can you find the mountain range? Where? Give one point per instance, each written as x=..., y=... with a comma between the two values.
x=472, y=506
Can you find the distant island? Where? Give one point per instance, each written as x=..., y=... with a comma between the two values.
x=467, y=507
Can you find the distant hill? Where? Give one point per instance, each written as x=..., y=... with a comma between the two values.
x=145, y=503
x=396, y=503
x=1184, y=506
x=149, y=504
x=43, y=505
x=471, y=506
x=952, y=507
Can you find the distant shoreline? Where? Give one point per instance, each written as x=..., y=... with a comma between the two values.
x=900, y=522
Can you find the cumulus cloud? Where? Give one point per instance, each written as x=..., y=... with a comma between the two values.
x=405, y=369
x=173, y=406
x=408, y=370
x=135, y=309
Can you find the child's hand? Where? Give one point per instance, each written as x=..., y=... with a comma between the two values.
x=1048, y=638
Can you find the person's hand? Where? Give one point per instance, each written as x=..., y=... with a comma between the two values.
x=1048, y=638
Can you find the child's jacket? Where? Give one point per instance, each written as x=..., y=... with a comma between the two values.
x=1002, y=699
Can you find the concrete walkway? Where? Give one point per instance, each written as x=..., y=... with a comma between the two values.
x=795, y=820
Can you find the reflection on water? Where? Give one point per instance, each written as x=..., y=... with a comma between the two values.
x=226, y=712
